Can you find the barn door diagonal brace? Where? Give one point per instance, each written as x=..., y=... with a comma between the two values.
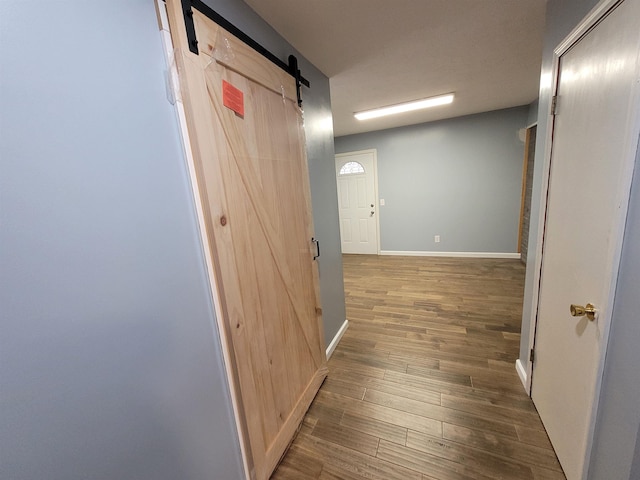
x=291, y=67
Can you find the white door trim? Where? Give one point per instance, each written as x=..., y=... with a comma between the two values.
x=631, y=147
x=375, y=185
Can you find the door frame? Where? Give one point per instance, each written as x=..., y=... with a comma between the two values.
x=375, y=188
x=525, y=171
x=631, y=149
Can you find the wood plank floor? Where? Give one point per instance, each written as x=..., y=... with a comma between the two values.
x=423, y=384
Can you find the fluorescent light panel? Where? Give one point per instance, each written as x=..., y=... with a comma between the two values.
x=405, y=107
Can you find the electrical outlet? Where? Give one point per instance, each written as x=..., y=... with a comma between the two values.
x=436, y=238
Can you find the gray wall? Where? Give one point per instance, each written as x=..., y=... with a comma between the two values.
x=619, y=414
x=320, y=154
x=459, y=178
x=110, y=362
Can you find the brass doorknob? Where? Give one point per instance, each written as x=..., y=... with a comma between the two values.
x=579, y=311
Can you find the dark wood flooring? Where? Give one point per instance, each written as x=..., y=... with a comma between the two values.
x=423, y=384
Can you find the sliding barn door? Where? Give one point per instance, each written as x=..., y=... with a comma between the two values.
x=247, y=139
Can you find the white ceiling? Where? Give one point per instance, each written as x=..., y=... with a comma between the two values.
x=381, y=52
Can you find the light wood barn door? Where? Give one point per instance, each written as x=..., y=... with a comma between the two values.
x=253, y=181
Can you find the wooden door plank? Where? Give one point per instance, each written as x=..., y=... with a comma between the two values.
x=200, y=125
x=264, y=273
x=236, y=55
x=239, y=154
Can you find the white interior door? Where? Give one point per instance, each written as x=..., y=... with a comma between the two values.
x=594, y=141
x=358, y=201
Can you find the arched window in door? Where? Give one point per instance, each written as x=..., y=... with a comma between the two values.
x=351, y=168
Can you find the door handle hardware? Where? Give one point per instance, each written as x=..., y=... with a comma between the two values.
x=579, y=311
x=317, y=242
x=372, y=212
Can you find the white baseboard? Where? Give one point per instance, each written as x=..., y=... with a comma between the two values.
x=522, y=373
x=334, y=343
x=413, y=253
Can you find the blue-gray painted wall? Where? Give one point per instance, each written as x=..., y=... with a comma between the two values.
x=110, y=359
x=459, y=178
x=618, y=419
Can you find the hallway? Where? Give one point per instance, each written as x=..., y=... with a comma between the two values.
x=423, y=384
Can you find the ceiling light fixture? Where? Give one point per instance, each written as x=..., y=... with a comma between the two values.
x=405, y=107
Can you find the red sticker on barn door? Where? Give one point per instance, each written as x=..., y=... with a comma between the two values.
x=233, y=98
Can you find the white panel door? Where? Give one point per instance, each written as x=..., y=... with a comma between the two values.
x=594, y=143
x=357, y=201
